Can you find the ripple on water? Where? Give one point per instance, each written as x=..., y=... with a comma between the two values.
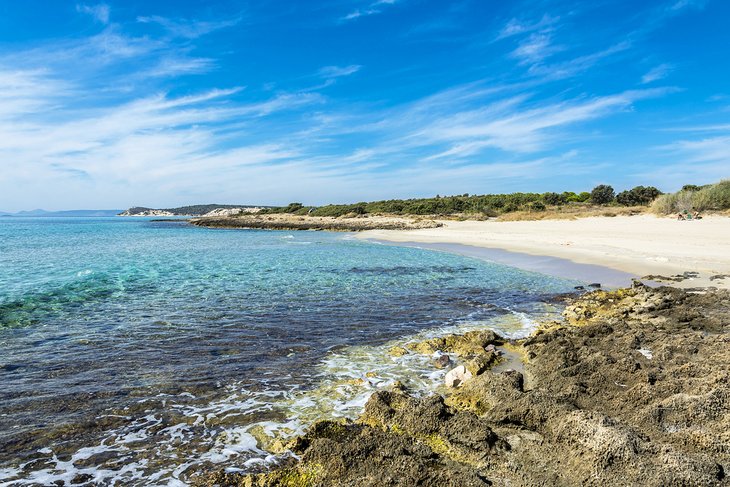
x=187, y=348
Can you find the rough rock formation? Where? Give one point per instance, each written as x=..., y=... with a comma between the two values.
x=294, y=222
x=633, y=388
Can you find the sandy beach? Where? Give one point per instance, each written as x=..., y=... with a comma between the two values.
x=638, y=245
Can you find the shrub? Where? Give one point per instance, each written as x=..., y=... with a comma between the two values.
x=554, y=199
x=713, y=197
x=602, y=194
x=293, y=207
x=584, y=196
x=691, y=187
x=639, y=195
x=571, y=197
x=537, y=206
x=710, y=197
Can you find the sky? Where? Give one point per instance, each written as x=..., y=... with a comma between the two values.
x=167, y=103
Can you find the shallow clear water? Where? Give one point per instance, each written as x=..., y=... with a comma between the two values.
x=137, y=352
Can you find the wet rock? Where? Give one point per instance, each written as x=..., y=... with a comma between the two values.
x=588, y=408
x=397, y=351
x=467, y=345
x=595, y=285
x=442, y=361
x=482, y=362
x=82, y=478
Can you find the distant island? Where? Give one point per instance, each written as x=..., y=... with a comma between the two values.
x=67, y=213
x=211, y=210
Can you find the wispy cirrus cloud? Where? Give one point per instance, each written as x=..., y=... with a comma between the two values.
x=517, y=27
x=656, y=73
x=576, y=65
x=99, y=12
x=188, y=28
x=535, y=49
x=679, y=5
x=371, y=9
x=709, y=149
x=329, y=72
x=692, y=160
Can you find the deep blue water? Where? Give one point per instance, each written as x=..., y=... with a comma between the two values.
x=128, y=346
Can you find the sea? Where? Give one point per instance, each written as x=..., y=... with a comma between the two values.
x=144, y=352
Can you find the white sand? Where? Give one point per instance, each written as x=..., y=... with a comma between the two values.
x=639, y=245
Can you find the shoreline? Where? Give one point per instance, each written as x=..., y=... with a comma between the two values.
x=604, y=396
x=638, y=246
x=543, y=264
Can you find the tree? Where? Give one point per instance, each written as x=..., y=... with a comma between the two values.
x=602, y=194
x=691, y=187
x=639, y=195
x=553, y=199
x=293, y=207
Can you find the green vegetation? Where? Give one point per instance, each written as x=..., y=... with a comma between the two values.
x=488, y=205
x=639, y=195
x=710, y=197
x=602, y=194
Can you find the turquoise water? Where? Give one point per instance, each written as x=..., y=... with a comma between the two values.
x=138, y=352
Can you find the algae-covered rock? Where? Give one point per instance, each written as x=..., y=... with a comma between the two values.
x=481, y=363
x=467, y=345
x=338, y=454
x=397, y=351
x=459, y=435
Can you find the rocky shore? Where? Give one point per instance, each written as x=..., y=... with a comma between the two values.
x=630, y=388
x=286, y=221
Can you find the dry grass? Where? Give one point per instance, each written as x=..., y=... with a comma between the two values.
x=573, y=213
x=715, y=197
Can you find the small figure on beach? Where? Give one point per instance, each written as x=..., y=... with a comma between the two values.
x=696, y=215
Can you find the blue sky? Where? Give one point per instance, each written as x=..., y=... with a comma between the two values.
x=165, y=103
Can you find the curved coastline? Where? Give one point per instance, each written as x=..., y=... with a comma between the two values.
x=527, y=422
x=683, y=254
x=544, y=264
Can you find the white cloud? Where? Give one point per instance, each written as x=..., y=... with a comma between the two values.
x=656, y=73
x=187, y=28
x=709, y=149
x=177, y=66
x=373, y=9
x=508, y=127
x=339, y=71
x=683, y=4
x=535, y=49
x=517, y=27
x=100, y=12
x=577, y=65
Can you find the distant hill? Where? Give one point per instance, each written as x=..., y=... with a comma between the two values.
x=192, y=210
x=68, y=213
